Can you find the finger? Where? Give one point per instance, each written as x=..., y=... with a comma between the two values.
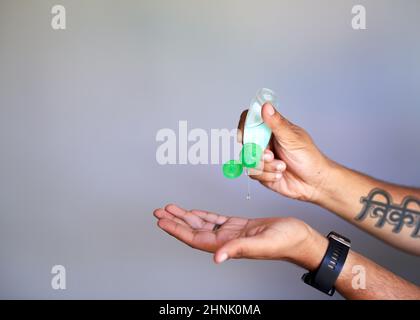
x=282, y=129
x=268, y=155
x=241, y=125
x=275, y=166
x=264, y=176
x=192, y=220
x=210, y=217
x=179, y=231
x=240, y=248
x=163, y=214
x=176, y=210
x=206, y=225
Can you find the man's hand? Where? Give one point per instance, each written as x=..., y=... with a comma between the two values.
x=277, y=238
x=293, y=166
x=230, y=237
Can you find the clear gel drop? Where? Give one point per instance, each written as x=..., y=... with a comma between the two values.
x=248, y=194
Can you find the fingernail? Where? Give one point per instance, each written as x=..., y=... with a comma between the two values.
x=279, y=167
x=278, y=176
x=223, y=257
x=270, y=109
x=266, y=156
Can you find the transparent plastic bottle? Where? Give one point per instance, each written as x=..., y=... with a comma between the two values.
x=255, y=130
x=256, y=136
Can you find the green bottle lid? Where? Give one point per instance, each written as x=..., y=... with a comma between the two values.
x=232, y=169
x=251, y=155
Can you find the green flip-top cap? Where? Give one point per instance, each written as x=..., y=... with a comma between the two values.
x=232, y=169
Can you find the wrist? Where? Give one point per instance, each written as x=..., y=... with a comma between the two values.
x=311, y=252
x=329, y=188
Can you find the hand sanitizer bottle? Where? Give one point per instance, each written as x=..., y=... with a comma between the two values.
x=255, y=130
x=256, y=136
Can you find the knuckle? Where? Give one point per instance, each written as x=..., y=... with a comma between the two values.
x=239, y=251
x=255, y=177
x=296, y=129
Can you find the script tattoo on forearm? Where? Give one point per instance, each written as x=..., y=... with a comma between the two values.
x=379, y=205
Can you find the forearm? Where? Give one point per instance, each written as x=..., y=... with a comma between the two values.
x=360, y=277
x=347, y=193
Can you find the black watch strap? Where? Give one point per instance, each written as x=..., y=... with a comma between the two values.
x=327, y=273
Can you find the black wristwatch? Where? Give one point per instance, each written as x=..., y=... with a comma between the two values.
x=326, y=275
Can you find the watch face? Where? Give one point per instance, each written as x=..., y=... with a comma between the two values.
x=340, y=239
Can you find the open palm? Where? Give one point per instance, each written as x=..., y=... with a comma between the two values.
x=232, y=237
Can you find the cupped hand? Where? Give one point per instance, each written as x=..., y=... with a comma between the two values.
x=232, y=237
x=292, y=165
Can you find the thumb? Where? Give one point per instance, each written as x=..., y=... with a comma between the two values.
x=283, y=130
x=237, y=248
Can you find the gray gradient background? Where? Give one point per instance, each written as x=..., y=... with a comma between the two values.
x=80, y=108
